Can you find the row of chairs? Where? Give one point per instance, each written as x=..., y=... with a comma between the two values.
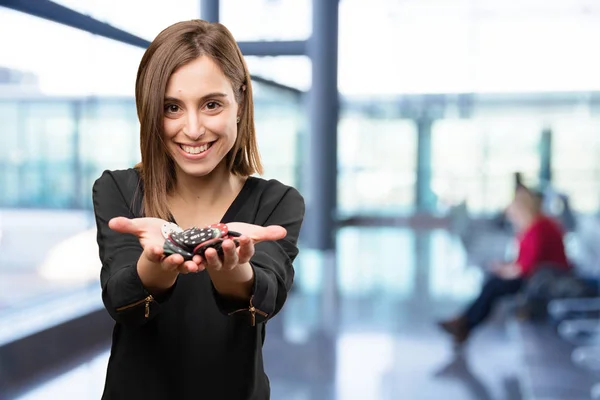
x=577, y=320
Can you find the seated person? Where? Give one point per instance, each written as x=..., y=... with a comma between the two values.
x=540, y=243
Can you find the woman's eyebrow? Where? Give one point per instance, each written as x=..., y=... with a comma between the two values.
x=206, y=96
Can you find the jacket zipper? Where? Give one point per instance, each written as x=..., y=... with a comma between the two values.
x=253, y=310
x=147, y=300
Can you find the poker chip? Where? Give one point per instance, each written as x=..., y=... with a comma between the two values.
x=170, y=228
x=195, y=240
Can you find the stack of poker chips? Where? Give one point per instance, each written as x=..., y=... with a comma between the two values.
x=194, y=241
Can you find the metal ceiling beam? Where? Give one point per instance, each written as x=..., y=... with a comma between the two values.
x=278, y=48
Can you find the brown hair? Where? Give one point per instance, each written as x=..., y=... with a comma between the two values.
x=174, y=47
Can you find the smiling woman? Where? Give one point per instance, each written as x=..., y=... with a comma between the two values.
x=201, y=113
x=175, y=94
x=182, y=335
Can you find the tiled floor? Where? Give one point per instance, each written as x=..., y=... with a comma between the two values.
x=411, y=360
x=373, y=335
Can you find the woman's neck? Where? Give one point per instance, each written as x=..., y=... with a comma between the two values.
x=529, y=220
x=209, y=189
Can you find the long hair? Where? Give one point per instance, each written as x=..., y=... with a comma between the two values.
x=174, y=47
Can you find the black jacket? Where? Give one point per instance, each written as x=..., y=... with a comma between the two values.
x=190, y=344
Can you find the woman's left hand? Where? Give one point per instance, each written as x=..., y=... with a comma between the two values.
x=234, y=257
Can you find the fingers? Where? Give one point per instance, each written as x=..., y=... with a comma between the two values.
x=189, y=266
x=271, y=232
x=230, y=255
x=174, y=262
x=123, y=225
x=213, y=262
x=154, y=253
x=228, y=261
x=246, y=250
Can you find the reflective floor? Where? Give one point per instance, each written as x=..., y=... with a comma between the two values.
x=372, y=335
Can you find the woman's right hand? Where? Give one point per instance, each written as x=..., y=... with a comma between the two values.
x=149, y=233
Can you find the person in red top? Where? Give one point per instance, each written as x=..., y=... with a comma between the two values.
x=540, y=241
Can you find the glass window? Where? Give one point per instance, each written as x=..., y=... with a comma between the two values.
x=108, y=139
x=377, y=158
x=251, y=20
x=576, y=160
x=66, y=107
x=293, y=71
x=10, y=156
x=248, y=20
x=152, y=17
x=47, y=154
x=457, y=161
x=278, y=120
x=475, y=159
x=486, y=46
x=63, y=61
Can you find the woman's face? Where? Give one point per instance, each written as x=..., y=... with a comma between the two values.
x=515, y=214
x=200, y=117
x=521, y=210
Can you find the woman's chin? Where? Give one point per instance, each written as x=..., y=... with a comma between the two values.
x=196, y=171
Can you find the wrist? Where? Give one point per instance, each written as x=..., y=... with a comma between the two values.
x=153, y=277
x=236, y=283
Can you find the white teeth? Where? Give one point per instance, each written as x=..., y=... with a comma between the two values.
x=194, y=149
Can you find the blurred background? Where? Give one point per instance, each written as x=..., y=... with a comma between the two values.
x=402, y=123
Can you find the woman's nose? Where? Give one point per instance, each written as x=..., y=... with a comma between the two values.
x=194, y=129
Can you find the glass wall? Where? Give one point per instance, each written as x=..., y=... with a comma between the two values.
x=251, y=20
x=56, y=148
x=66, y=109
x=152, y=17
x=62, y=61
x=280, y=128
x=475, y=159
x=486, y=46
x=376, y=158
x=477, y=143
x=534, y=52
x=576, y=159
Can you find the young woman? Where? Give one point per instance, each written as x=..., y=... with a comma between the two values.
x=193, y=329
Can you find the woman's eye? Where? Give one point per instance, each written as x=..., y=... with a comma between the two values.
x=172, y=108
x=212, y=105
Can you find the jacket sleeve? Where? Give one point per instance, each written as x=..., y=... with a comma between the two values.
x=272, y=262
x=124, y=296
